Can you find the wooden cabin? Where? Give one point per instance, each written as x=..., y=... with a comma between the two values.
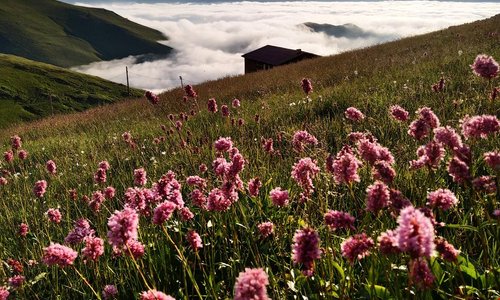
x=269, y=56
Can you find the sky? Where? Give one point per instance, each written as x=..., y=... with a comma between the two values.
x=209, y=38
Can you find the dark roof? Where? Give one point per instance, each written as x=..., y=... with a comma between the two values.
x=276, y=56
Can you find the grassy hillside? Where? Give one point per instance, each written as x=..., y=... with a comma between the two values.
x=371, y=79
x=30, y=90
x=67, y=35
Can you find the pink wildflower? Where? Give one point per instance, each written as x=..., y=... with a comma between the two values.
x=485, y=66
x=225, y=110
x=420, y=273
x=303, y=172
x=23, y=154
x=383, y=171
x=96, y=201
x=16, y=142
x=94, y=248
x=344, y=168
x=377, y=197
x=251, y=285
x=447, y=251
x=104, y=165
x=442, y=198
x=194, y=240
x=479, y=126
x=8, y=156
x=419, y=129
x=57, y=254
x=428, y=116
x=212, y=105
x=357, y=247
x=302, y=138
x=415, y=233
x=306, y=86
x=109, y=192
x=135, y=248
x=51, y=167
x=4, y=293
x=398, y=113
x=253, y=186
x=16, y=281
x=15, y=265
x=81, y=230
x=492, y=159
x=439, y=86
x=186, y=214
x=223, y=144
x=40, y=188
x=267, y=145
x=3, y=181
x=265, y=229
x=217, y=201
x=387, y=242
x=109, y=292
x=236, y=103
x=100, y=176
x=122, y=227
x=447, y=136
x=23, y=229
x=279, y=197
x=163, y=212
x=54, y=215
x=198, y=198
x=190, y=91
x=202, y=168
x=485, y=184
x=155, y=295
x=140, y=178
x=354, y=114
x=305, y=249
x=458, y=170
x=335, y=219
x=152, y=97
x=494, y=93
x=372, y=151
x=196, y=181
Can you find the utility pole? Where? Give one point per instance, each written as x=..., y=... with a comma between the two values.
x=128, y=86
x=182, y=84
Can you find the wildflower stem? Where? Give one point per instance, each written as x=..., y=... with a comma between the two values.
x=184, y=262
x=138, y=268
x=87, y=282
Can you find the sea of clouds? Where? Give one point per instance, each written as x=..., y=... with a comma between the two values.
x=209, y=39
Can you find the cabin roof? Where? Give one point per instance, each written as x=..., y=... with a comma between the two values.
x=275, y=56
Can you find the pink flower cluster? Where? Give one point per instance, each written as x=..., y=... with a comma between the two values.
x=442, y=198
x=190, y=92
x=485, y=66
x=152, y=97
x=54, y=215
x=94, y=248
x=194, y=240
x=303, y=173
x=251, y=285
x=335, y=219
x=81, y=230
x=265, y=229
x=377, y=197
x=122, y=227
x=253, y=186
x=344, y=166
x=415, y=233
x=356, y=247
x=305, y=249
x=212, y=105
x=140, y=177
x=155, y=295
x=479, y=126
x=279, y=197
x=40, y=188
x=57, y=254
x=301, y=139
x=306, y=86
x=354, y=114
x=421, y=127
x=399, y=113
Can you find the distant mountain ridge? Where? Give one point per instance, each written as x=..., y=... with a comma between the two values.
x=348, y=30
x=67, y=35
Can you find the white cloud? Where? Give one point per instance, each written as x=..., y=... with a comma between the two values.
x=210, y=38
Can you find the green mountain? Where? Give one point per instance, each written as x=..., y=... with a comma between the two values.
x=67, y=35
x=30, y=90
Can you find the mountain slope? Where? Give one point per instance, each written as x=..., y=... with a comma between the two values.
x=66, y=35
x=30, y=90
x=371, y=79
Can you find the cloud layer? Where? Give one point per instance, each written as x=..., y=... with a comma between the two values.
x=210, y=38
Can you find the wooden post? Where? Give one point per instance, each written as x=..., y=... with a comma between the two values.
x=128, y=86
x=182, y=85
